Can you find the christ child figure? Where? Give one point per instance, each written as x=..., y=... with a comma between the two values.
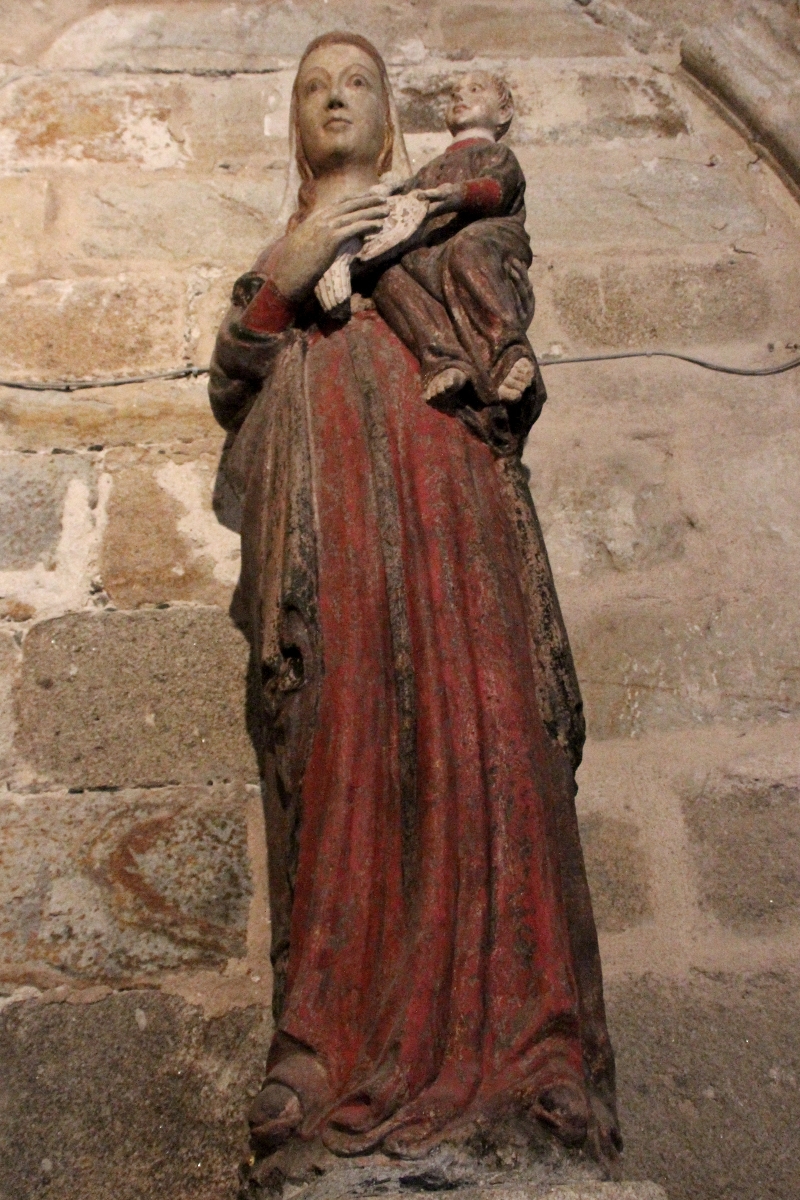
x=461, y=302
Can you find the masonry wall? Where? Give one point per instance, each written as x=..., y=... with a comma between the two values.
x=142, y=152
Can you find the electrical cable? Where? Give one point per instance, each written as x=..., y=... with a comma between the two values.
x=77, y=385
x=698, y=362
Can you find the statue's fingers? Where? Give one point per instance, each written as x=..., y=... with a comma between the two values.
x=355, y=203
x=360, y=227
x=378, y=212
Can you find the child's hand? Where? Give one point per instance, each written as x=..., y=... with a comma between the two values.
x=446, y=198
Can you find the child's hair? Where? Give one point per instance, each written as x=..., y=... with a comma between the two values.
x=506, y=98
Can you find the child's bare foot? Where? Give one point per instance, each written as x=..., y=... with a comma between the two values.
x=517, y=380
x=445, y=385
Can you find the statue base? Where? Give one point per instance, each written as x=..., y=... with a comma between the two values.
x=516, y=1162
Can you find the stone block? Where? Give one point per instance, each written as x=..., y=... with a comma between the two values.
x=220, y=37
x=660, y=202
x=107, y=885
x=236, y=123
x=10, y=657
x=618, y=871
x=52, y=121
x=26, y=31
x=545, y=28
x=25, y=208
x=222, y=221
x=651, y=663
x=569, y=105
x=751, y=63
x=92, y=326
x=159, y=411
x=704, y=1069
x=163, y=540
x=125, y=699
x=664, y=304
x=616, y=508
x=557, y=102
x=137, y=1097
x=744, y=825
x=33, y=490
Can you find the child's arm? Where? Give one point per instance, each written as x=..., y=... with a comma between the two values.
x=496, y=191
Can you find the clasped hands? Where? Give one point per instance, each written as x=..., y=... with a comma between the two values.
x=306, y=253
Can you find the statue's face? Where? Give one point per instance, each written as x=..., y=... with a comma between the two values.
x=475, y=104
x=341, y=108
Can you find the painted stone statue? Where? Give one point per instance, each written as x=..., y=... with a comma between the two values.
x=414, y=699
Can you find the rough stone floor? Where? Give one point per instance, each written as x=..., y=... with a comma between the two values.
x=142, y=154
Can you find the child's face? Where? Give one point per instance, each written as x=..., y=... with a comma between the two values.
x=474, y=104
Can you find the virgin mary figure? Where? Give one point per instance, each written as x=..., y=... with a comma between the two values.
x=419, y=720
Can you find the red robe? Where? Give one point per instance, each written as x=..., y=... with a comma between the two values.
x=419, y=724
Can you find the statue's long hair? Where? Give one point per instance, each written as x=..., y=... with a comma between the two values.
x=393, y=151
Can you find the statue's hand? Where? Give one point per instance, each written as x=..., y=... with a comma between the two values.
x=306, y=253
x=446, y=198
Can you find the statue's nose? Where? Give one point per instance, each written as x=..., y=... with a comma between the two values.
x=335, y=101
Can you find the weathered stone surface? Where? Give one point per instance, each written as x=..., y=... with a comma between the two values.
x=224, y=220
x=80, y=327
x=751, y=63
x=149, y=122
x=10, y=657
x=25, y=207
x=48, y=121
x=160, y=411
x=135, y=698
x=136, y=1096
x=658, y=202
x=163, y=540
x=663, y=304
x=618, y=871
x=707, y=1079
x=33, y=488
x=544, y=28
x=26, y=31
x=557, y=101
x=617, y=509
x=650, y=663
x=533, y=1166
x=220, y=37
x=106, y=885
x=744, y=824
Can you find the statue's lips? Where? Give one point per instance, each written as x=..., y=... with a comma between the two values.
x=337, y=123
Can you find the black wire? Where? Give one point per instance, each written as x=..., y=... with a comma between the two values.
x=698, y=362
x=192, y=372
x=78, y=385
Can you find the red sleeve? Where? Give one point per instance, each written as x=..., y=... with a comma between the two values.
x=268, y=311
x=482, y=196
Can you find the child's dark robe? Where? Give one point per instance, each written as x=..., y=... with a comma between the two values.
x=454, y=301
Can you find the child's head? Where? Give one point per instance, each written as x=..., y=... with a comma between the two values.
x=479, y=100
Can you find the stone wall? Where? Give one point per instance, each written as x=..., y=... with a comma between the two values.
x=143, y=150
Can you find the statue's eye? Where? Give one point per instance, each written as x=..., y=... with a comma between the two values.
x=358, y=81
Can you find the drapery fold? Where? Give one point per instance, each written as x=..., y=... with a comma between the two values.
x=434, y=948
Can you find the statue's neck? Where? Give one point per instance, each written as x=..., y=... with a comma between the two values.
x=339, y=184
x=466, y=135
